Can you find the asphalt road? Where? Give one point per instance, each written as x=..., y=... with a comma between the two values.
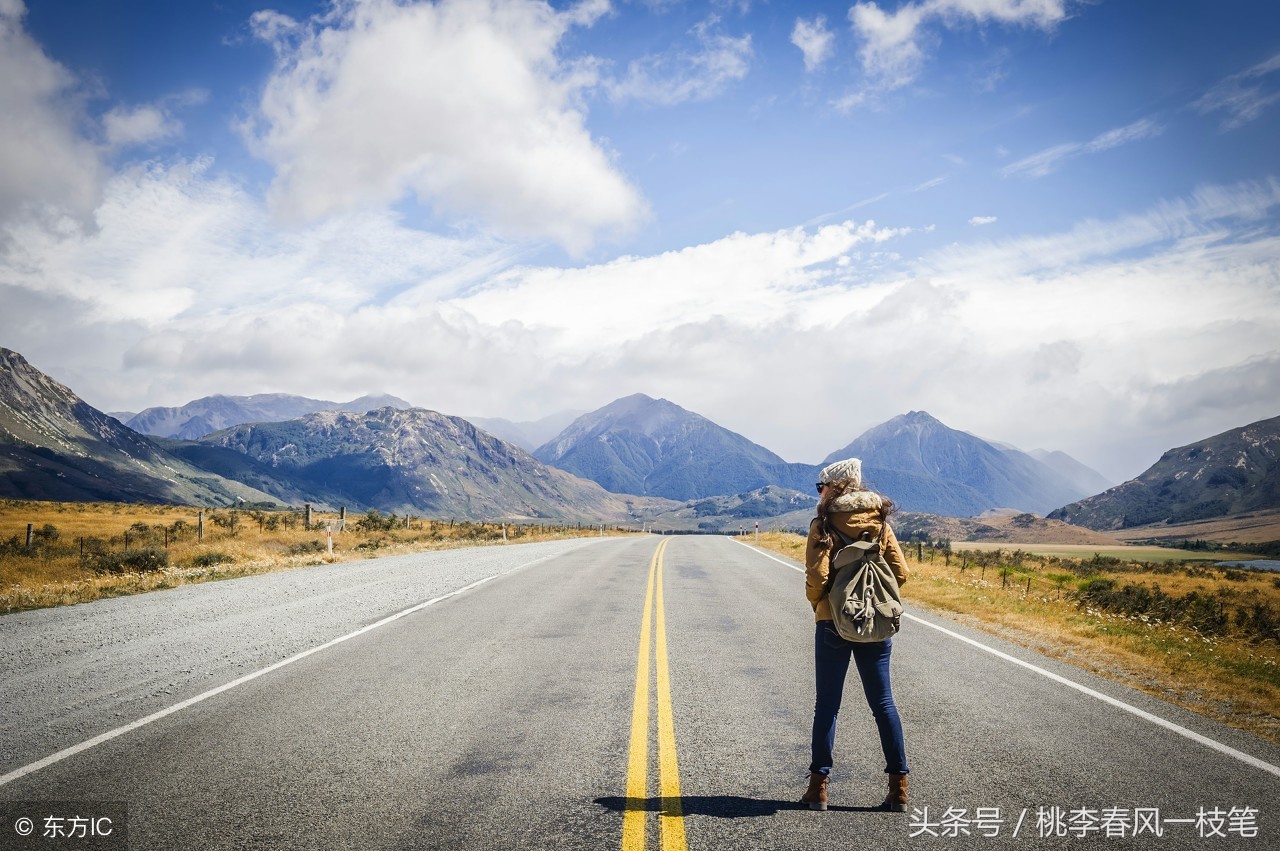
x=502, y=717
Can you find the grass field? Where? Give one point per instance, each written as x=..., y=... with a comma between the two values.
x=1203, y=637
x=1136, y=553
x=86, y=551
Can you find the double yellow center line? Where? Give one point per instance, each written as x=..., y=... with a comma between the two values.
x=670, y=816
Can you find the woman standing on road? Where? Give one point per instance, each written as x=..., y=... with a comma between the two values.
x=844, y=505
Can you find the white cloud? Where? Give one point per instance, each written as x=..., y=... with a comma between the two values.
x=1243, y=96
x=978, y=221
x=1143, y=128
x=753, y=277
x=850, y=101
x=138, y=125
x=174, y=244
x=467, y=105
x=1105, y=340
x=44, y=160
x=681, y=74
x=1050, y=159
x=929, y=184
x=895, y=43
x=814, y=40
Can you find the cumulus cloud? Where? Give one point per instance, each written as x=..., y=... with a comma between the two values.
x=1244, y=96
x=752, y=276
x=814, y=40
x=44, y=159
x=894, y=44
x=978, y=221
x=147, y=123
x=1047, y=161
x=138, y=125
x=684, y=73
x=468, y=106
x=174, y=243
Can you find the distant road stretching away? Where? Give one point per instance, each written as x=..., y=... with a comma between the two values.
x=618, y=693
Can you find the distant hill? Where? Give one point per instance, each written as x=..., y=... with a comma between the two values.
x=414, y=461
x=1083, y=478
x=1230, y=473
x=527, y=435
x=55, y=446
x=212, y=413
x=925, y=466
x=997, y=527
x=641, y=445
x=772, y=506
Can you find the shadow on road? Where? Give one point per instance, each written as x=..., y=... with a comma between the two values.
x=718, y=806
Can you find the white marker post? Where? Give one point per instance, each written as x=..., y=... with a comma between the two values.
x=328, y=535
x=757, y=530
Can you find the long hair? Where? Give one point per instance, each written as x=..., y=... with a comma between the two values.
x=832, y=490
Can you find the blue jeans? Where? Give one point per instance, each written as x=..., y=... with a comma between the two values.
x=831, y=663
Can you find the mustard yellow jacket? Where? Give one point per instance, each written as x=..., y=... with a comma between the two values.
x=853, y=514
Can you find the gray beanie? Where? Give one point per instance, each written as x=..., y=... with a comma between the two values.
x=849, y=468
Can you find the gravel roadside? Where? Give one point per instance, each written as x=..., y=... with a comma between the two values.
x=74, y=672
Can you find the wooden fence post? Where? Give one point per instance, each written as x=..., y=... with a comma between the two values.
x=200, y=527
x=306, y=522
x=30, y=533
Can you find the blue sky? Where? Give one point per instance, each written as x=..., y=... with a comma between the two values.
x=1050, y=223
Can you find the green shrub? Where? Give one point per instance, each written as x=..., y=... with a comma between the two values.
x=144, y=560
x=372, y=521
x=306, y=547
x=209, y=559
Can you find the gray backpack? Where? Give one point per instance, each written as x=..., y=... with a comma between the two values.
x=866, y=604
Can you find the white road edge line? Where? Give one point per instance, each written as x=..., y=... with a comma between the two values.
x=1248, y=759
x=178, y=707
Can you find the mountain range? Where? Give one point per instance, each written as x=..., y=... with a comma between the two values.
x=658, y=459
x=415, y=461
x=1230, y=473
x=55, y=446
x=209, y=414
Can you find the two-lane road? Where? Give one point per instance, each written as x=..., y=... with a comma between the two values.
x=619, y=693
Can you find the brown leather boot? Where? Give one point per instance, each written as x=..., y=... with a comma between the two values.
x=816, y=797
x=896, y=800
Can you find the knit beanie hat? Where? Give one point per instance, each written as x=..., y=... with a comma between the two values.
x=849, y=468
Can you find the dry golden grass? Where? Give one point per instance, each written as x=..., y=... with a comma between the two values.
x=86, y=556
x=1226, y=677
